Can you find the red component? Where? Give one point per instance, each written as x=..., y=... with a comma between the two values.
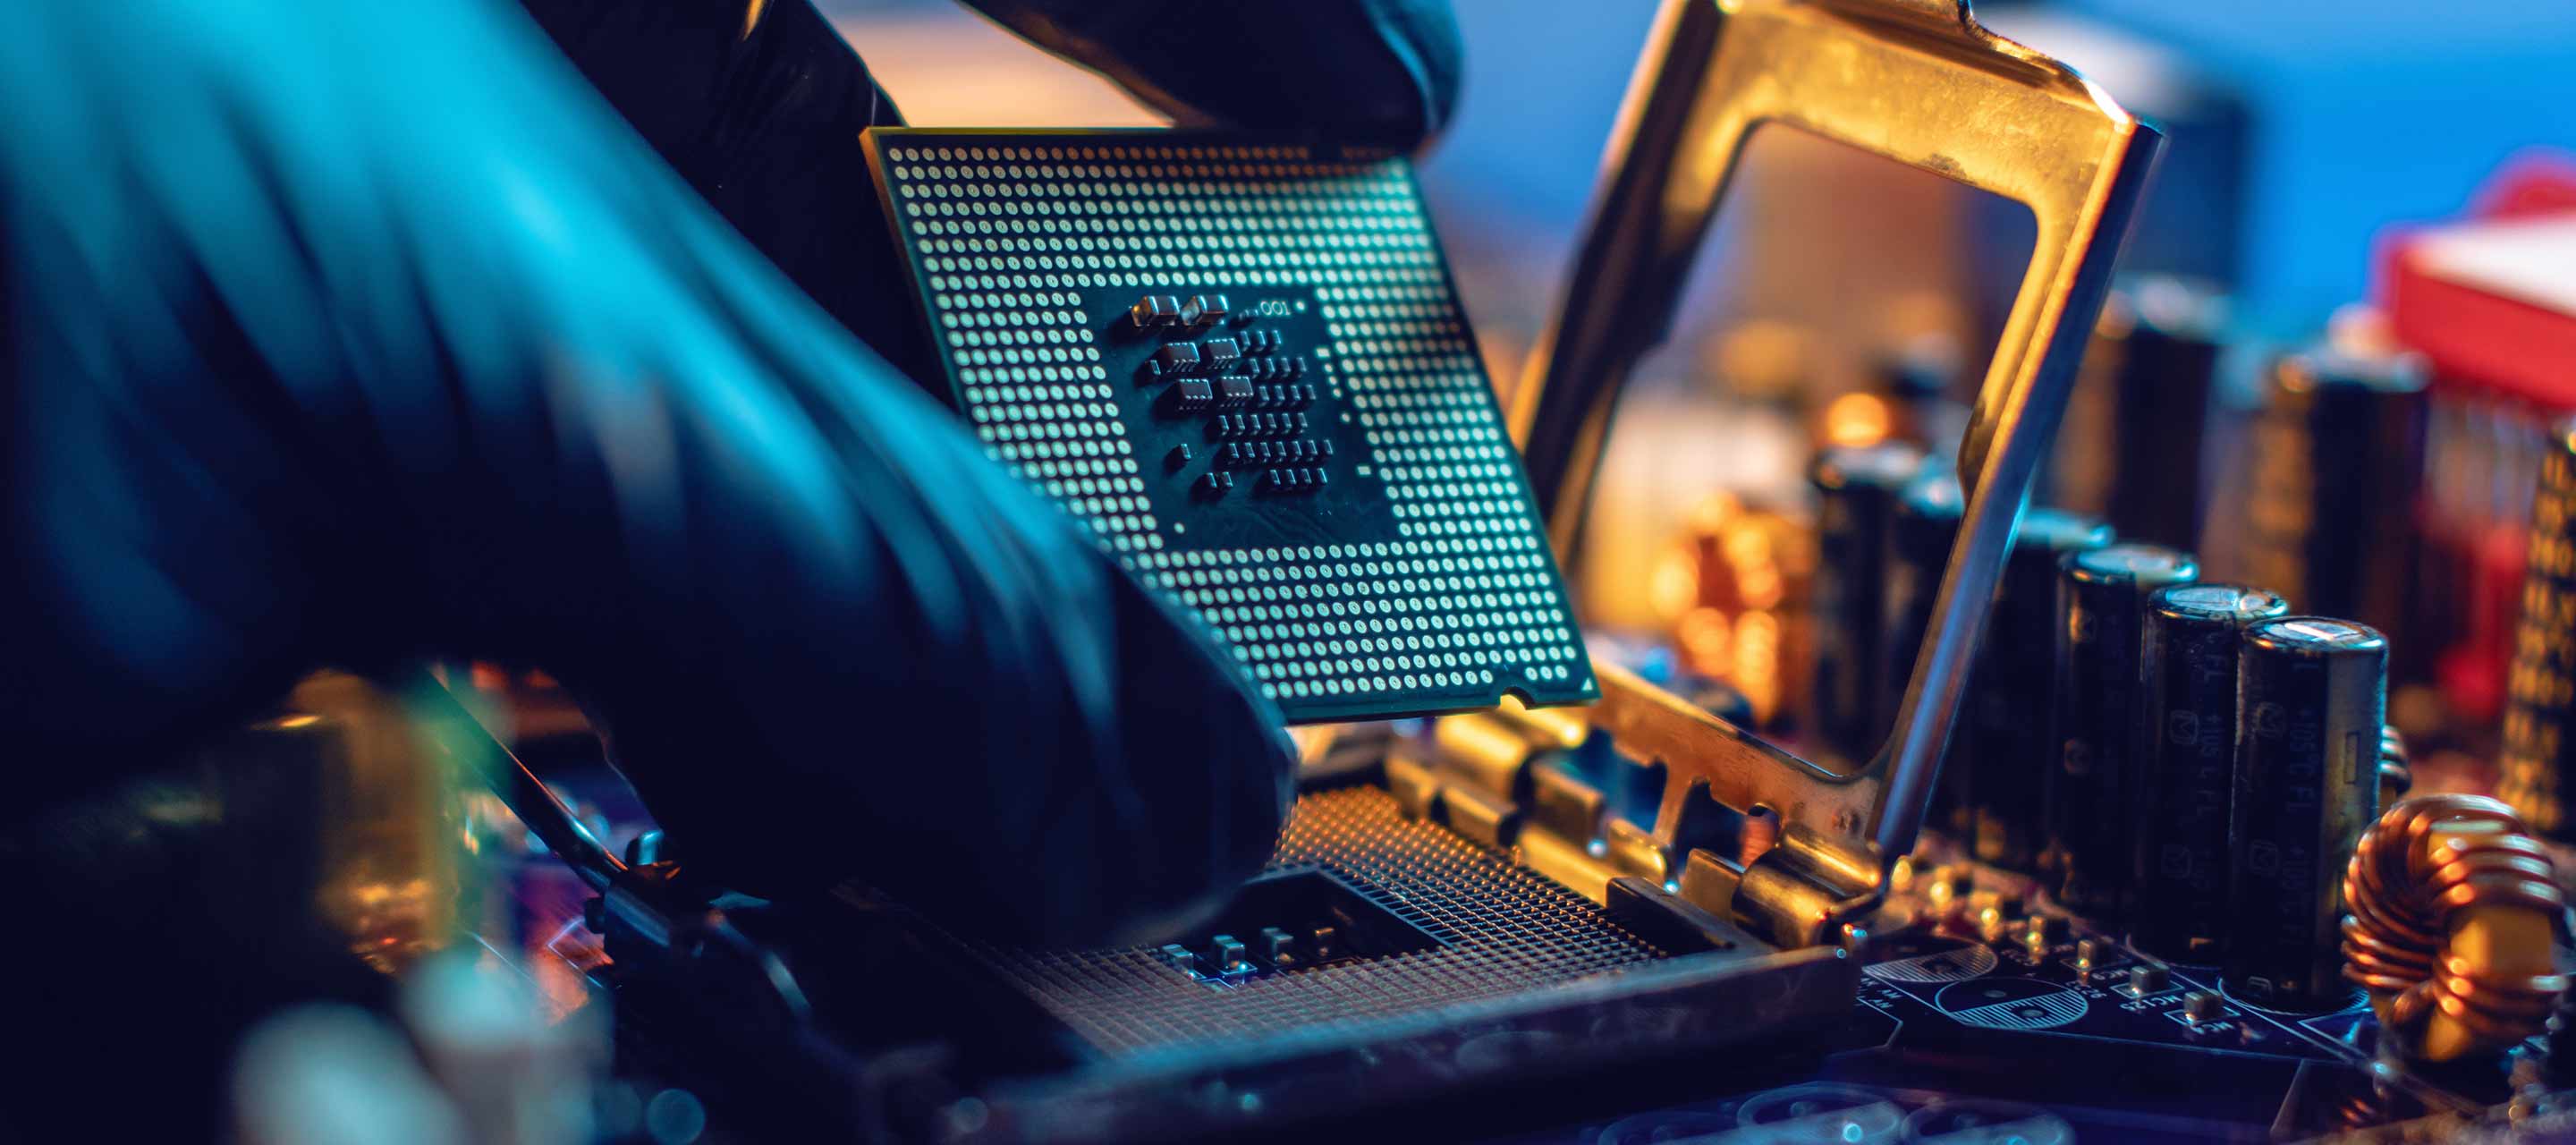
x=2473, y=334
x=2487, y=299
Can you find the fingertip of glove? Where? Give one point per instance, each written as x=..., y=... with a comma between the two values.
x=1381, y=72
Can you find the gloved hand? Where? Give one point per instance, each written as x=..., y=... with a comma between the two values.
x=348, y=332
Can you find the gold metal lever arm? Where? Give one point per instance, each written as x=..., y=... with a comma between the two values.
x=1917, y=81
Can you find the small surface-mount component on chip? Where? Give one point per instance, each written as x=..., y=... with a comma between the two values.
x=1179, y=456
x=1283, y=397
x=1178, y=357
x=1190, y=395
x=1233, y=391
x=1214, y=484
x=1294, y=480
x=1220, y=354
x=1155, y=310
x=1240, y=425
x=1209, y=309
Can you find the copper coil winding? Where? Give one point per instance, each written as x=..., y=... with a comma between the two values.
x=2406, y=885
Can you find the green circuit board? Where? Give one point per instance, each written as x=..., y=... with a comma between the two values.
x=1243, y=362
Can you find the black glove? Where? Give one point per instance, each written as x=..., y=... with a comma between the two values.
x=346, y=332
x=757, y=114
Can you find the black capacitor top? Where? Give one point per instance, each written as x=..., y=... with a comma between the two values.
x=1919, y=539
x=2159, y=338
x=1917, y=376
x=2184, y=769
x=2006, y=751
x=2338, y=465
x=1857, y=490
x=2102, y=599
x=2312, y=698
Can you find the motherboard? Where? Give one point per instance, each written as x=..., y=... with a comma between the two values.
x=1985, y=1015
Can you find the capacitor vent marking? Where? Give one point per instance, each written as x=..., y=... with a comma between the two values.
x=2328, y=631
x=1369, y=547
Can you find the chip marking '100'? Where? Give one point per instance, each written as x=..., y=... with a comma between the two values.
x=1243, y=362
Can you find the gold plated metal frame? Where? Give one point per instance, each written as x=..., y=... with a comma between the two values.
x=1919, y=82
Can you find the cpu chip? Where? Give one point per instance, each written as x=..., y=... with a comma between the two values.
x=1352, y=518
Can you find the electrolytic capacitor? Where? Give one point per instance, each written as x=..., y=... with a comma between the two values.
x=2185, y=766
x=2312, y=697
x=1917, y=376
x=1857, y=491
x=2102, y=600
x=2337, y=469
x=1918, y=550
x=2539, y=761
x=2012, y=689
x=2134, y=437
